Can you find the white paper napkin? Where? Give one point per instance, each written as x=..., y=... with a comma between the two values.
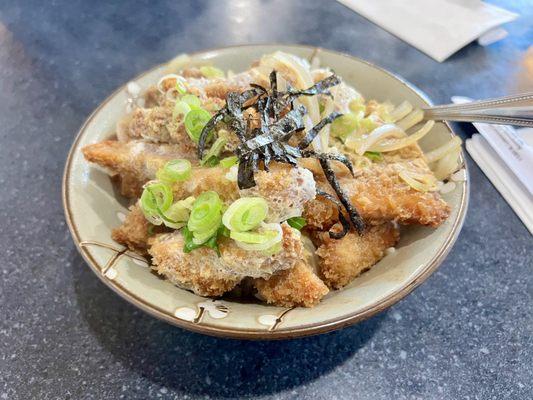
x=502, y=178
x=505, y=155
x=437, y=27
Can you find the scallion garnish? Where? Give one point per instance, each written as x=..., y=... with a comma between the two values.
x=344, y=125
x=180, y=108
x=192, y=101
x=175, y=170
x=180, y=87
x=373, y=155
x=229, y=162
x=245, y=214
x=178, y=213
x=211, y=72
x=211, y=157
x=205, y=218
x=297, y=222
x=155, y=200
x=253, y=237
x=266, y=239
x=195, y=121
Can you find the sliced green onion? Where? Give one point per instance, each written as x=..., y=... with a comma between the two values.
x=321, y=107
x=297, y=222
x=188, y=241
x=245, y=214
x=202, y=237
x=156, y=199
x=211, y=72
x=206, y=212
x=357, y=107
x=175, y=170
x=178, y=213
x=195, y=120
x=180, y=108
x=180, y=87
x=211, y=162
x=269, y=236
x=274, y=249
x=229, y=162
x=192, y=101
x=373, y=155
x=189, y=244
x=253, y=237
x=344, y=125
x=367, y=125
x=211, y=157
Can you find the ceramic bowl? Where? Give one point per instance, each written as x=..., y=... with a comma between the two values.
x=93, y=208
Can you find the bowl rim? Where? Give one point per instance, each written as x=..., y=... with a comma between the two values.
x=254, y=334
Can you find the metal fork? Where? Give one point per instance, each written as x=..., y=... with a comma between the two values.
x=508, y=110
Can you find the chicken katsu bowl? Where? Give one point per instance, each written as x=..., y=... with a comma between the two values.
x=264, y=191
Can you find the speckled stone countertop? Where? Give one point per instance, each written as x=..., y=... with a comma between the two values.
x=465, y=333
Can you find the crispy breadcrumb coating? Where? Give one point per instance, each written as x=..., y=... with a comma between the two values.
x=135, y=162
x=255, y=264
x=298, y=286
x=285, y=188
x=207, y=274
x=342, y=260
x=134, y=231
x=380, y=195
x=198, y=270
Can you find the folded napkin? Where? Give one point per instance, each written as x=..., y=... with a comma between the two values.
x=505, y=155
x=437, y=27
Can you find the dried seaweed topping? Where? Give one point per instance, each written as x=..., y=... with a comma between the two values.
x=342, y=219
x=355, y=218
x=279, y=121
x=308, y=138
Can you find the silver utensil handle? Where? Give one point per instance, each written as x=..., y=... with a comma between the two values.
x=509, y=110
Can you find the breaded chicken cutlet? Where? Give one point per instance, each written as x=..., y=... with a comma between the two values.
x=157, y=133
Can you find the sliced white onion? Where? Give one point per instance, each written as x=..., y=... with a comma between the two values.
x=411, y=119
x=301, y=75
x=401, y=111
x=391, y=145
x=447, y=165
x=362, y=144
x=420, y=182
x=441, y=151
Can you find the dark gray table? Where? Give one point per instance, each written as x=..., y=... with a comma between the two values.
x=466, y=333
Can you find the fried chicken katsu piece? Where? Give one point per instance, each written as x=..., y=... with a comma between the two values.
x=256, y=264
x=134, y=231
x=295, y=287
x=198, y=270
x=207, y=274
x=380, y=195
x=134, y=162
x=342, y=260
x=285, y=188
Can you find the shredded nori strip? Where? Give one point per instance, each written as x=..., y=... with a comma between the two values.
x=329, y=156
x=306, y=141
x=342, y=219
x=355, y=218
x=279, y=121
x=321, y=87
